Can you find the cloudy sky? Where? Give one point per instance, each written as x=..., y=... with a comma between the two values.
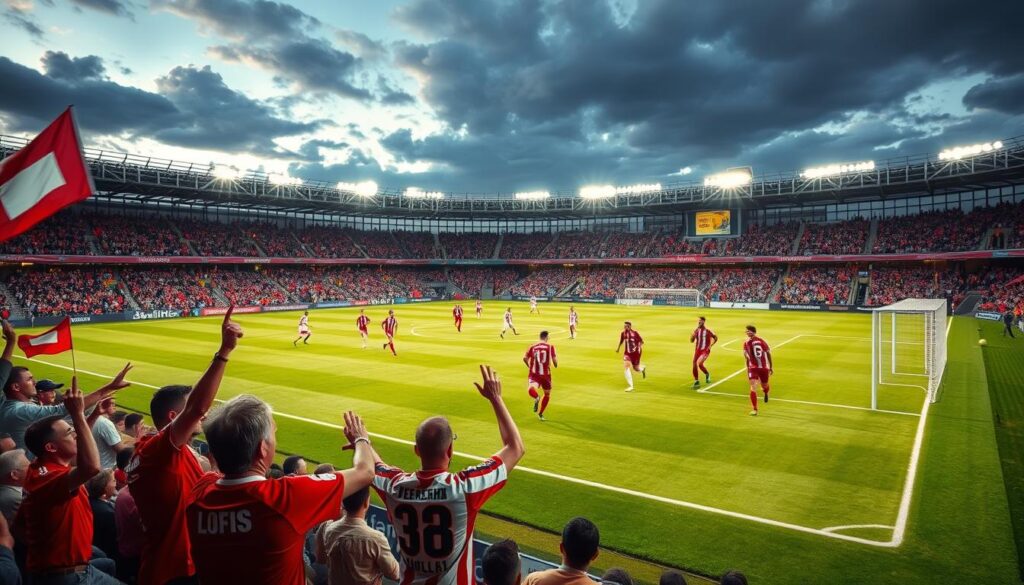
x=515, y=95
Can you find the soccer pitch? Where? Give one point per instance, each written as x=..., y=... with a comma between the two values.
x=818, y=467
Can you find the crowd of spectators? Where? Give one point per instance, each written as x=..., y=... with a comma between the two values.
x=743, y=285
x=893, y=283
x=546, y=282
x=71, y=291
x=576, y=245
x=336, y=283
x=818, y=284
x=248, y=287
x=468, y=245
x=761, y=240
x=209, y=238
x=625, y=245
x=1002, y=288
x=168, y=288
x=518, y=246
x=472, y=280
x=380, y=244
x=417, y=244
x=275, y=241
x=843, y=237
x=938, y=231
x=328, y=242
x=63, y=233
x=136, y=236
x=671, y=244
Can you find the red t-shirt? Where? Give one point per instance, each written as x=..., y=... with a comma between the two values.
x=57, y=522
x=362, y=322
x=758, y=355
x=702, y=336
x=632, y=340
x=160, y=478
x=390, y=324
x=251, y=530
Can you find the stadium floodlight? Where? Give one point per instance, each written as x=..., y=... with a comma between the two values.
x=417, y=193
x=226, y=173
x=533, y=195
x=959, y=152
x=283, y=180
x=639, y=188
x=597, y=192
x=835, y=169
x=730, y=179
x=363, y=189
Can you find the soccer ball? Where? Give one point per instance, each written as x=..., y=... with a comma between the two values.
x=982, y=342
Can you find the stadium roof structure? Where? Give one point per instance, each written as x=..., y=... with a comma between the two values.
x=132, y=177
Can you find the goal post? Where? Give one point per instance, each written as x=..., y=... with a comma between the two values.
x=684, y=297
x=908, y=346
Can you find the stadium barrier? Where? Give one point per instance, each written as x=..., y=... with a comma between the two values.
x=640, y=302
x=728, y=305
x=815, y=307
x=988, y=316
x=377, y=518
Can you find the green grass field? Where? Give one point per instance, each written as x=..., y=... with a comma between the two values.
x=810, y=491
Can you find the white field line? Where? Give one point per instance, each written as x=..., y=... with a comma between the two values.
x=853, y=526
x=915, y=457
x=569, y=479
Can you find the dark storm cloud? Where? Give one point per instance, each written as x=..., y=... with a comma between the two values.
x=1004, y=95
x=684, y=83
x=277, y=38
x=111, y=7
x=193, y=108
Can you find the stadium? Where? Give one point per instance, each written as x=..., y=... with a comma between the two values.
x=890, y=291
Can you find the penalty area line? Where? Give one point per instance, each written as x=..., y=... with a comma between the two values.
x=566, y=478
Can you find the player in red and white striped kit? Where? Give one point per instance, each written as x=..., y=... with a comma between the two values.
x=507, y=323
x=703, y=339
x=479, y=309
x=390, y=326
x=363, y=323
x=457, y=314
x=538, y=359
x=574, y=320
x=759, y=365
x=631, y=359
x=303, y=329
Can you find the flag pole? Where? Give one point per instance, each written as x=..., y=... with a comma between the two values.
x=74, y=366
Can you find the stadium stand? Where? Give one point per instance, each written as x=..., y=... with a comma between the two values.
x=470, y=245
x=519, y=246
x=817, y=284
x=844, y=237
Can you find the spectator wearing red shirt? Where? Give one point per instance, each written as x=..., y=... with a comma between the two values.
x=164, y=469
x=248, y=529
x=56, y=516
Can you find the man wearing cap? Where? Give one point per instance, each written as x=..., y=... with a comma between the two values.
x=17, y=409
x=47, y=392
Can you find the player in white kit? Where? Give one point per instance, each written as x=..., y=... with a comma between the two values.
x=533, y=306
x=507, y=323
x=574, y=320
x=304, y=330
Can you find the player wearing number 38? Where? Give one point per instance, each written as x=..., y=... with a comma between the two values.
x=434, y=510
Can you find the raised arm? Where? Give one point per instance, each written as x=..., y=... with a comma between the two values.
x=201, y=398
x=88, y=463
x=107, y=390
x=513, y=448
x=10, y=340
x=363, y=462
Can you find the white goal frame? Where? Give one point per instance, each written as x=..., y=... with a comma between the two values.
x=689, y=297
x=924, y=322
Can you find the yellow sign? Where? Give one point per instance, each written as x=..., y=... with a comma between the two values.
x=713, y=223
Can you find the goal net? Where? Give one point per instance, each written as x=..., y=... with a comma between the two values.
x=684, y=297
x=908, y=346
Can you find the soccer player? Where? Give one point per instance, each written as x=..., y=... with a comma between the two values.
x=574, y=320
x=362, y=322
x=303, y=329
x=507, y=323
x=533, y=306
x=704, y=339
x=538, y=359
x=390, y=326
x=631, y=358
x=434, y=509
x=759, y=365
x=479, y=309
x=457, y=313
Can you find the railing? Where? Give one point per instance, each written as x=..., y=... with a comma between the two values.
x=125, y=171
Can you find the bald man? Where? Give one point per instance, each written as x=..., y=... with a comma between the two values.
x=433, y=509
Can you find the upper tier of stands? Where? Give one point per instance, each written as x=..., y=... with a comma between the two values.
x=125, y=235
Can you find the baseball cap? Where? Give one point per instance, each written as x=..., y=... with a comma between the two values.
x=47, y=386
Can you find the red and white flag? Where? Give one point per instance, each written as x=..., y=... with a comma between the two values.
x=56, y=340
x=44, y=177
